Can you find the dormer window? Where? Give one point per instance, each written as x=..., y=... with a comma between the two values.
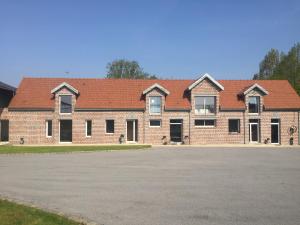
x=253, y=104
x=205, y=105
x=155, y=104
x=65, y=103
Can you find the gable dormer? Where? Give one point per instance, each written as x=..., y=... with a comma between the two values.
x=65, y=98
x=253, y=96
x=204, y=94
x=155, y=98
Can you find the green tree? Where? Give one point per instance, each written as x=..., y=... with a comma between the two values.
x=268, y=65
x=122, y=68
x=282, y=66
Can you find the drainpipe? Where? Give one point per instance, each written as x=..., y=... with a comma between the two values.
x=244, y=127
x=144, y=128
x=298, y=129
x=190, y=127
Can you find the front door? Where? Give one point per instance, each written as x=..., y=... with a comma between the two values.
x=4, y=130
x=65, y=130
x=275, y=131
x=132, y=130
x=176, y=130
x=253, y=132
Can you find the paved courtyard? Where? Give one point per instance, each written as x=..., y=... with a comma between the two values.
x=161, y=186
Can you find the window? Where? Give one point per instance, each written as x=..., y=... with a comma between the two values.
x=88, y=128
x=205, y=123
x=253, y=105
x=65, y=104
x=155, y=123
x=49, y=128
x=234, y=125
x=110, y=126
x=155, y=104
x=205, y=105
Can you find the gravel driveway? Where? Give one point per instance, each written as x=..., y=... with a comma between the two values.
x=161, y=186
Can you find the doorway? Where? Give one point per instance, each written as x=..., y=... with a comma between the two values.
x=254, y=131
x=275, y=131
x=65, y=129
x=4, y=130
x=132, y=130
x=176, y=130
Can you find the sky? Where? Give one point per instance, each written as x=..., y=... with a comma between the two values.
x=171, y=39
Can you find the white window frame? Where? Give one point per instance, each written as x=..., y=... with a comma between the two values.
x=47, y=121
x=206, y=126
x=60, y=104
x=255, y=113
x=198, y=113
x=86, y=128
x=106, y=126
x=151, y=113
x=155, y=126
x=239, y=126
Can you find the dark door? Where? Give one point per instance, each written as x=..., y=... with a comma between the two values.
x=4, y=130
x=176, y=130
x=275, y=133
x=254, y=132
x=66, y=131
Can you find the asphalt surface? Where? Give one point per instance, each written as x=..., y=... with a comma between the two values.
x=161, y=186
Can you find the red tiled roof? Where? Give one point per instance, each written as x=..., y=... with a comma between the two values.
x=35, y=93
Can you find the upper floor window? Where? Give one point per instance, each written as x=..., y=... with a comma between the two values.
x=253, y=104
x=66, y=104
x=205, y=105
x=155, y=104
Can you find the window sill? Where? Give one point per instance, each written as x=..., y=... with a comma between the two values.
x=205, y=126
x=155, y=126
x=49, y=136
x=155, y=114
x=109, y=133
x=88, y=136
x=234, y=133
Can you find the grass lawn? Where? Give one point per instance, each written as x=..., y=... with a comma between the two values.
x=4, y=149
x=16, y=214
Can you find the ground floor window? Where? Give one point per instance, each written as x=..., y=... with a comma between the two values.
x=48, y=128
x=234, y=125
x=155, y=123
x=205, y=123
x=88, y=128
x=110, y=126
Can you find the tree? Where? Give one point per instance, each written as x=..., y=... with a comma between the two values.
x=122, y=68
x=268, y=65
x=277, y=66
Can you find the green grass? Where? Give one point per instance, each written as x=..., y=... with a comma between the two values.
x=6, y=149
x=16, y=214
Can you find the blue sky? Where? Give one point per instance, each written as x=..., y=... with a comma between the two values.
x=172, y=39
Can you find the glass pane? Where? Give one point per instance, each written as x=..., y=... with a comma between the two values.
x=49, y=131
x=155, y=123
x=199, y=105
x=199, y=122
x=254, y=132
x=209, y=122
x=234, y=126
x=155, y=104
x=110, y=126
x=89, y=128
x=66, y=104
x=210, y=104
x=66, y=130
x=253, y=104
x=274, y=133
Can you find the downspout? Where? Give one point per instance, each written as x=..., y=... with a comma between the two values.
x=190, y=127
x=244, y=127
x=144, y=132
x=298, y=129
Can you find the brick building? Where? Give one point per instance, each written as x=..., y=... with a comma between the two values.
x=202, y=111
